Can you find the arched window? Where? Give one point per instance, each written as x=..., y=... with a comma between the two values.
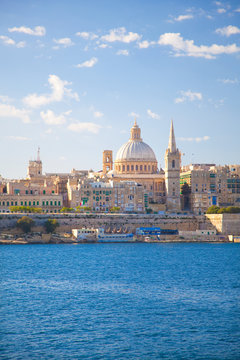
x=173, y=164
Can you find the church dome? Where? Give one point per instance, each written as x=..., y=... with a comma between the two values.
x=135, y=149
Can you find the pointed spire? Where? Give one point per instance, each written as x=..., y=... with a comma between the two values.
x=135, y=121
x=38, y=154
x=172, y=143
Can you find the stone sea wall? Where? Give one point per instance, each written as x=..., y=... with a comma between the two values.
x=110, y=222
x=227, y=224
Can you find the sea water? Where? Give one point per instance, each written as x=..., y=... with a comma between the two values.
x=120, y=301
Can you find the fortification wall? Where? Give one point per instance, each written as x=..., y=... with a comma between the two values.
x=110, y=222
x=225, y=224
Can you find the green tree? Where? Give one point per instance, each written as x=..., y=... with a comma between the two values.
x=149, y=210
x=114, y=209
x=50, y=225
x=83, y=208
x=66, y=209
x=229, y=210
x=213, y=209
x=25, y=224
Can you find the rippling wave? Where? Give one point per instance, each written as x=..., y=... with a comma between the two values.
x=120, y=301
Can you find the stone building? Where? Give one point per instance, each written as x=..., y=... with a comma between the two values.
x=102, y=196
x=135, y=161
x=212, y=185
x=48, y=203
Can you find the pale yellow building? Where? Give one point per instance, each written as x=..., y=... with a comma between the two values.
x=128, y=196
x=135, y=161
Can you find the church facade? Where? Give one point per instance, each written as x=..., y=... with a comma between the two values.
x=136, y=161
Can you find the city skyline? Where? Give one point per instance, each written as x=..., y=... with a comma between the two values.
x=74, y=76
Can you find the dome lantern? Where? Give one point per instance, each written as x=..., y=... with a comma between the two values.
x=135, y=132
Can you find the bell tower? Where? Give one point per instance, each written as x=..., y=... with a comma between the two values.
x=35, y=167
x=107, y=161
x=172, y=174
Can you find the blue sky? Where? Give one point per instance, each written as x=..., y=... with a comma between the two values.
x=74, y=74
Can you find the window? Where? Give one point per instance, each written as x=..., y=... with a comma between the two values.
x=43, y=203
x=123, y=167
x=7, y=203
x=145, y=167
x=47, y=203
x=140, y=167
x=127, y=167
x=51, y=203
x=44, y=192
x=37, y=202
x=59, y=203
x=26, y=191
x=34, y=203
x=173, y=164
x=15, y=203
x=136, y=167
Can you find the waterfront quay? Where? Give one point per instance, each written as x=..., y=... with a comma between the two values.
x=187, y=227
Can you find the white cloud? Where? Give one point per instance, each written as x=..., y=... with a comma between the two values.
x=65, y=42
x=5, y=99
x=228, y=30
x=153, y=115
x=221, y=11
x=52, y=119
x=123, y=52
x=188, y=96
x=18, y=138
x=85, y=127
x=59, y=91
x=9, y=111
x=145, y=44
x=37, y=31
x=237, y=10
x=87, y=35
x=216, y=103
x=229, y=81
x=104, y=46
x=120, y=34
x=98, y=114
x=8, y=41
x=183, y=47
x=133, y=114
x=89, y=63
x=196, y=139
x=183, y=17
